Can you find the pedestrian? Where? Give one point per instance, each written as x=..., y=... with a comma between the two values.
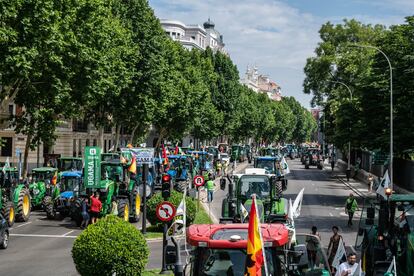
x=351, y=206
x=333, y=244
x=96, y=206
x=349, y=267
x=114, y=206
x=210, y=188
x=333, y=163
x=312, y=246
x=84, y=213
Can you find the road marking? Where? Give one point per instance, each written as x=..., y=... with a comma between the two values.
x=22, y=224
x=43, y=236
x=68, y=233
x=331, y=214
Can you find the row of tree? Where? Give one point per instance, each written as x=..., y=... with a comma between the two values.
x=342, y=59
x=112, y=63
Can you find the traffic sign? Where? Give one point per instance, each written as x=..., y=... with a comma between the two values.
x=165, y=211
x=198, y=180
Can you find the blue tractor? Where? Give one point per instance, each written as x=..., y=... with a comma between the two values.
x=203, y=164
x=180, y=167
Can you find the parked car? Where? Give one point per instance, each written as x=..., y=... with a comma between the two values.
x=4, y=233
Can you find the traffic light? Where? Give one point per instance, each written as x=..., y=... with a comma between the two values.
x=166, y=186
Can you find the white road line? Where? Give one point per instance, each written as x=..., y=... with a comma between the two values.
x=331, y=214
x=64, y=235
x=43, y=236
x=18, y=226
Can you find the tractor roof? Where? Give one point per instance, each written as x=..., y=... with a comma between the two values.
x=9, y=169
x=176, y=156
x=70, y=158
x=199, y=152
x=218, y=235
x=270, y=158
x=72, y=174
x=44, y=169
x=402, y=198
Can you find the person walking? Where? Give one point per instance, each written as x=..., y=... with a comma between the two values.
x=333, y=244
x=351, y=206
x=85, y=214
x=349, y=267
x=312, y=246
x=96, y=206
x=210, y=189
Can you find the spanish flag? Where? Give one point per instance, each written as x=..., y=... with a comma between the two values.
x=254, y=258
x=54, y=178
x=133, y=167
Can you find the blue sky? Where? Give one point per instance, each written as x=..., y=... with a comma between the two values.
x=278, y=36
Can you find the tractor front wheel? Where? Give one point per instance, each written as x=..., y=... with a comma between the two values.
x=8, y=213
x=23, y=205
x=49, y=208
x=123, y=209
x=136, y=207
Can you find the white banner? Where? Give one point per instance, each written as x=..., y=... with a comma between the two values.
x=340, y=253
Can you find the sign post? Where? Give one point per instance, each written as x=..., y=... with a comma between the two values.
x=198, y=182
x=144, y=199
x=165, y=212
x=92, y=174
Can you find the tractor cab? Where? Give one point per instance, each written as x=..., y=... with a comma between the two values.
x=238, y=153
x=42, y=184
x=386, y=229
x=179, y=167
x=203, y=163
x=70, y=164
x=269, y=163
x=268, y=190
x=70, y=186
x=221, y=249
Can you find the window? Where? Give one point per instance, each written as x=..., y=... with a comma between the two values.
x=105, y=148
x=94, y=142
x=11, y=109
x=87, y=143
x=7, y=147
x=80, y=148
x=80, y=125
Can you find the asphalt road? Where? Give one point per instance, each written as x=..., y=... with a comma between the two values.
x=43, y=247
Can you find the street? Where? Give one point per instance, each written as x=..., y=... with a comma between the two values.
x=43, y=247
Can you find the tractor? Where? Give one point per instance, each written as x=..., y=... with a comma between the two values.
x=203, y=164
x=15, y=197
x=43, y=184
x=292, y=151
x=272, y=166
x=268, y=189
x=220, y=249
x=238, y=153
x=386, y=229
x=249, y=153
x=180, y=170
x=313, y=157
x=275, y=152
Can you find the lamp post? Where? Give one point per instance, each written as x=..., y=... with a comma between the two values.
x=391, y=106
x=348, y=170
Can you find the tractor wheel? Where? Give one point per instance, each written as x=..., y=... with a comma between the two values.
x=4, y=240
x=306, y=165
x=279, y=189
x=75, y=212
x=123, y=209
x=8, y=213
x=136, y=207
x=49, y=208
x=23, y=206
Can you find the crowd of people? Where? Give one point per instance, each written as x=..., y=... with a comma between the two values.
x=92, y=207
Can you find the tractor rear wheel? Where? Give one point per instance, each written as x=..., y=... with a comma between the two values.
x=8, y=213
x=278, y=189
x=136, y=207
x=123, y=209
x=49, y=208
x=23, y=205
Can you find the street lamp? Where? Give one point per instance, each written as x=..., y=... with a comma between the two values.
x=391, y=105
x=348, y=170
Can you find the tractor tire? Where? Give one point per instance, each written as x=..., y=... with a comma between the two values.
x=9, y=213
x=279, y=189
x=4, y=240
x=76, y=212
x=48, y=207
x=23, y=206
x=136, y=207
x=123, y=209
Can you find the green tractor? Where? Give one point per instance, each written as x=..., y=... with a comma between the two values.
x=386, y=230
x=42, y=186
x=15, y=197
x=238, y=153
x=268, y=189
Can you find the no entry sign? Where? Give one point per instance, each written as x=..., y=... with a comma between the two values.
x=165, y=211
x=198, y=180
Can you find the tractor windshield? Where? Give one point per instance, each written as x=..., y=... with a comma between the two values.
x=70, y=165
x=259, y=185
x=110, y=171
x=70, y=183
x=268, y=165
x=229, y=262
x=9, y=178
x=42, y=176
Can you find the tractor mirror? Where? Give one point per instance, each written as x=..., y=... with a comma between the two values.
x=223, y=184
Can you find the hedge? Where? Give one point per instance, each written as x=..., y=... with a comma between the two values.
x=111, y=246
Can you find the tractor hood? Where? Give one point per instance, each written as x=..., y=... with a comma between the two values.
x=66, y=195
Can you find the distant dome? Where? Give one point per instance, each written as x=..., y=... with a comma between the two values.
x=209, y=24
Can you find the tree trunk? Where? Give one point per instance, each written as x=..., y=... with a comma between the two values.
x=117, y=133
x=133, y=134
x=101, y=137
x=26, y=155
x=163, y=132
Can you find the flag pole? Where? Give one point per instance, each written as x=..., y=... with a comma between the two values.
x=260, y=233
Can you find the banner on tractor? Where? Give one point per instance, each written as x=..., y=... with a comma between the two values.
x=92, y=175
x=143, y=155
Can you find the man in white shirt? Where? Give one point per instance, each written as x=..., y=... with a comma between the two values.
x=349, y=267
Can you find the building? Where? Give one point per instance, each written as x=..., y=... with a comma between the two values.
x=261, y=84
x=194, y=36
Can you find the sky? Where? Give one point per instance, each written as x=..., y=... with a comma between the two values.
x=278, y=36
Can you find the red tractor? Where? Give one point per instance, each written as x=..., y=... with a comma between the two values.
x=220, y=249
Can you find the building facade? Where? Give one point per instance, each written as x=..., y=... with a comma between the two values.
x=261, y=84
